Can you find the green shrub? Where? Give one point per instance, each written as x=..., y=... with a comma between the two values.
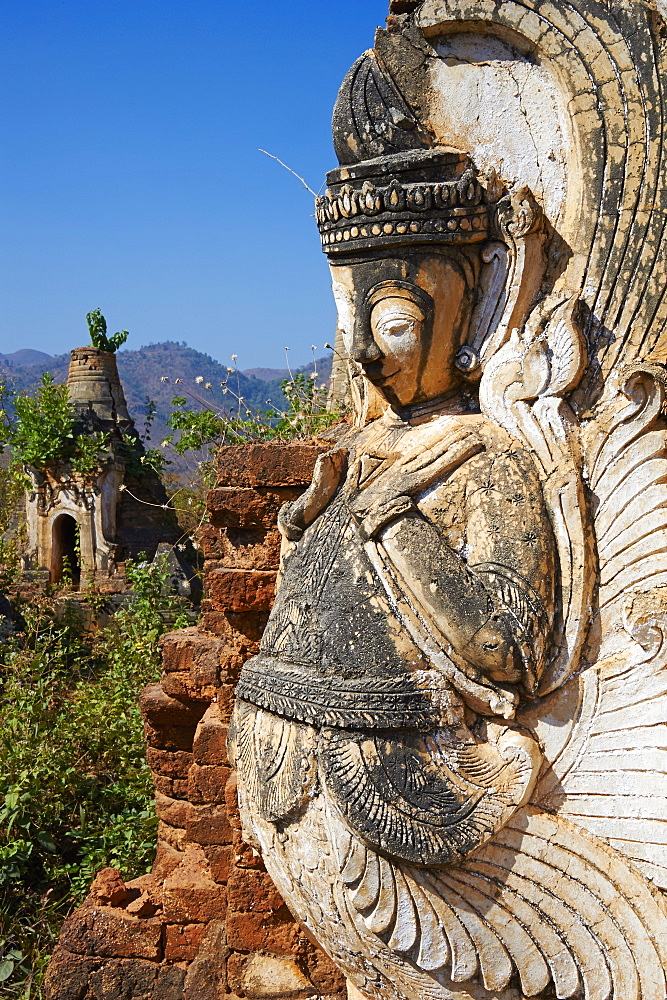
x=75, y=791
x=44, y=428
x=43, y=431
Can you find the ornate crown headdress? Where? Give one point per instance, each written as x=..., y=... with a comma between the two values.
x=393, y=185
x=424, y=196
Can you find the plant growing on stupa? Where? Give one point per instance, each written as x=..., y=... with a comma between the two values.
x=97, y=328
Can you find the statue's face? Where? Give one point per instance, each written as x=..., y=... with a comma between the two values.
x=403, y=321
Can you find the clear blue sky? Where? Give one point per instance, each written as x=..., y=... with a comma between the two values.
x=130, y=177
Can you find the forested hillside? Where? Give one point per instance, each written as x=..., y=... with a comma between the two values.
x=142, y=373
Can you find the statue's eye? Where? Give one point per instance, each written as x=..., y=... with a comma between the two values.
x=396, y=325
x=396, y=316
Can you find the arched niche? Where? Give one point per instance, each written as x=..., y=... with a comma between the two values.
x=65, y=550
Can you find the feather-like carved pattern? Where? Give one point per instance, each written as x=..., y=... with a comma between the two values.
x=628, y=478
x=609, y=777
x=542, y=900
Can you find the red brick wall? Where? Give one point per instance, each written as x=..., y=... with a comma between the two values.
x=207, y=922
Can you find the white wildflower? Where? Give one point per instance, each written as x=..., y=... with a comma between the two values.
x=208, y=386
x=164, y=378
x=199, y=379
x=165, y=443
x=177, y=380
x=230, y=370
x=329, y=346
x=314, y=375
x=234, y=357
x=123, y=487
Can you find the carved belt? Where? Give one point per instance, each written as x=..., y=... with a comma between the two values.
x=296, y=692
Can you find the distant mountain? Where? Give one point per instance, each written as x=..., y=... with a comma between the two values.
x=152, y=372
x=24, y=358
x=267, y=374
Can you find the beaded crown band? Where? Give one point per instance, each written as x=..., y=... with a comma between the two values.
x=415, y=197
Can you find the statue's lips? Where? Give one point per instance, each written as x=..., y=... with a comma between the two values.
x=377, y=375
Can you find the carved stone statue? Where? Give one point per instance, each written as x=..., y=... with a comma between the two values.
x=451, y=747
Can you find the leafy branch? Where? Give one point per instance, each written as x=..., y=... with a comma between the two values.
x=97, y=328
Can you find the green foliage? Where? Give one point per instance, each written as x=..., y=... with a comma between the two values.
x=75, y=791
x=97, y=328
x=43, y=432
x=199, y=428
x=211, y=426
x=138, y=458
x=87, y=453
x=150, y=410
x=44, y=426
x=307, y=413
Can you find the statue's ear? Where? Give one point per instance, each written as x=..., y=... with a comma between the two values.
x=511, y=276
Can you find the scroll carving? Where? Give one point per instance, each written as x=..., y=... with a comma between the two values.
x=451, y=744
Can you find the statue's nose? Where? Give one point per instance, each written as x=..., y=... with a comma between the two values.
x=364, y=348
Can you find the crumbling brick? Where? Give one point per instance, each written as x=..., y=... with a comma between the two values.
x=122, y=980
x=105, y=931
x=169, y=763
x=245, y=508
x=172, y=836
x=68, y=975
x=232, y=801
x=241, y=589
x=252, y=892
x=182, y=941
x=225, y=622
x=210, y=743
x=207, y=783
x=225, y=698
x=325, y=976
x=190, y=894
x=219, y=858
x=210, y=889
x=190, y=661
x=172, y=811
x=206, y=978
x=175, y=788
x=169, y=738
x=109, y=888
x=269, y=977
x=275, y=933
x=169, y=983
x=238, y=548
x=266, y=466
x=208, y=824
x=162, y=711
